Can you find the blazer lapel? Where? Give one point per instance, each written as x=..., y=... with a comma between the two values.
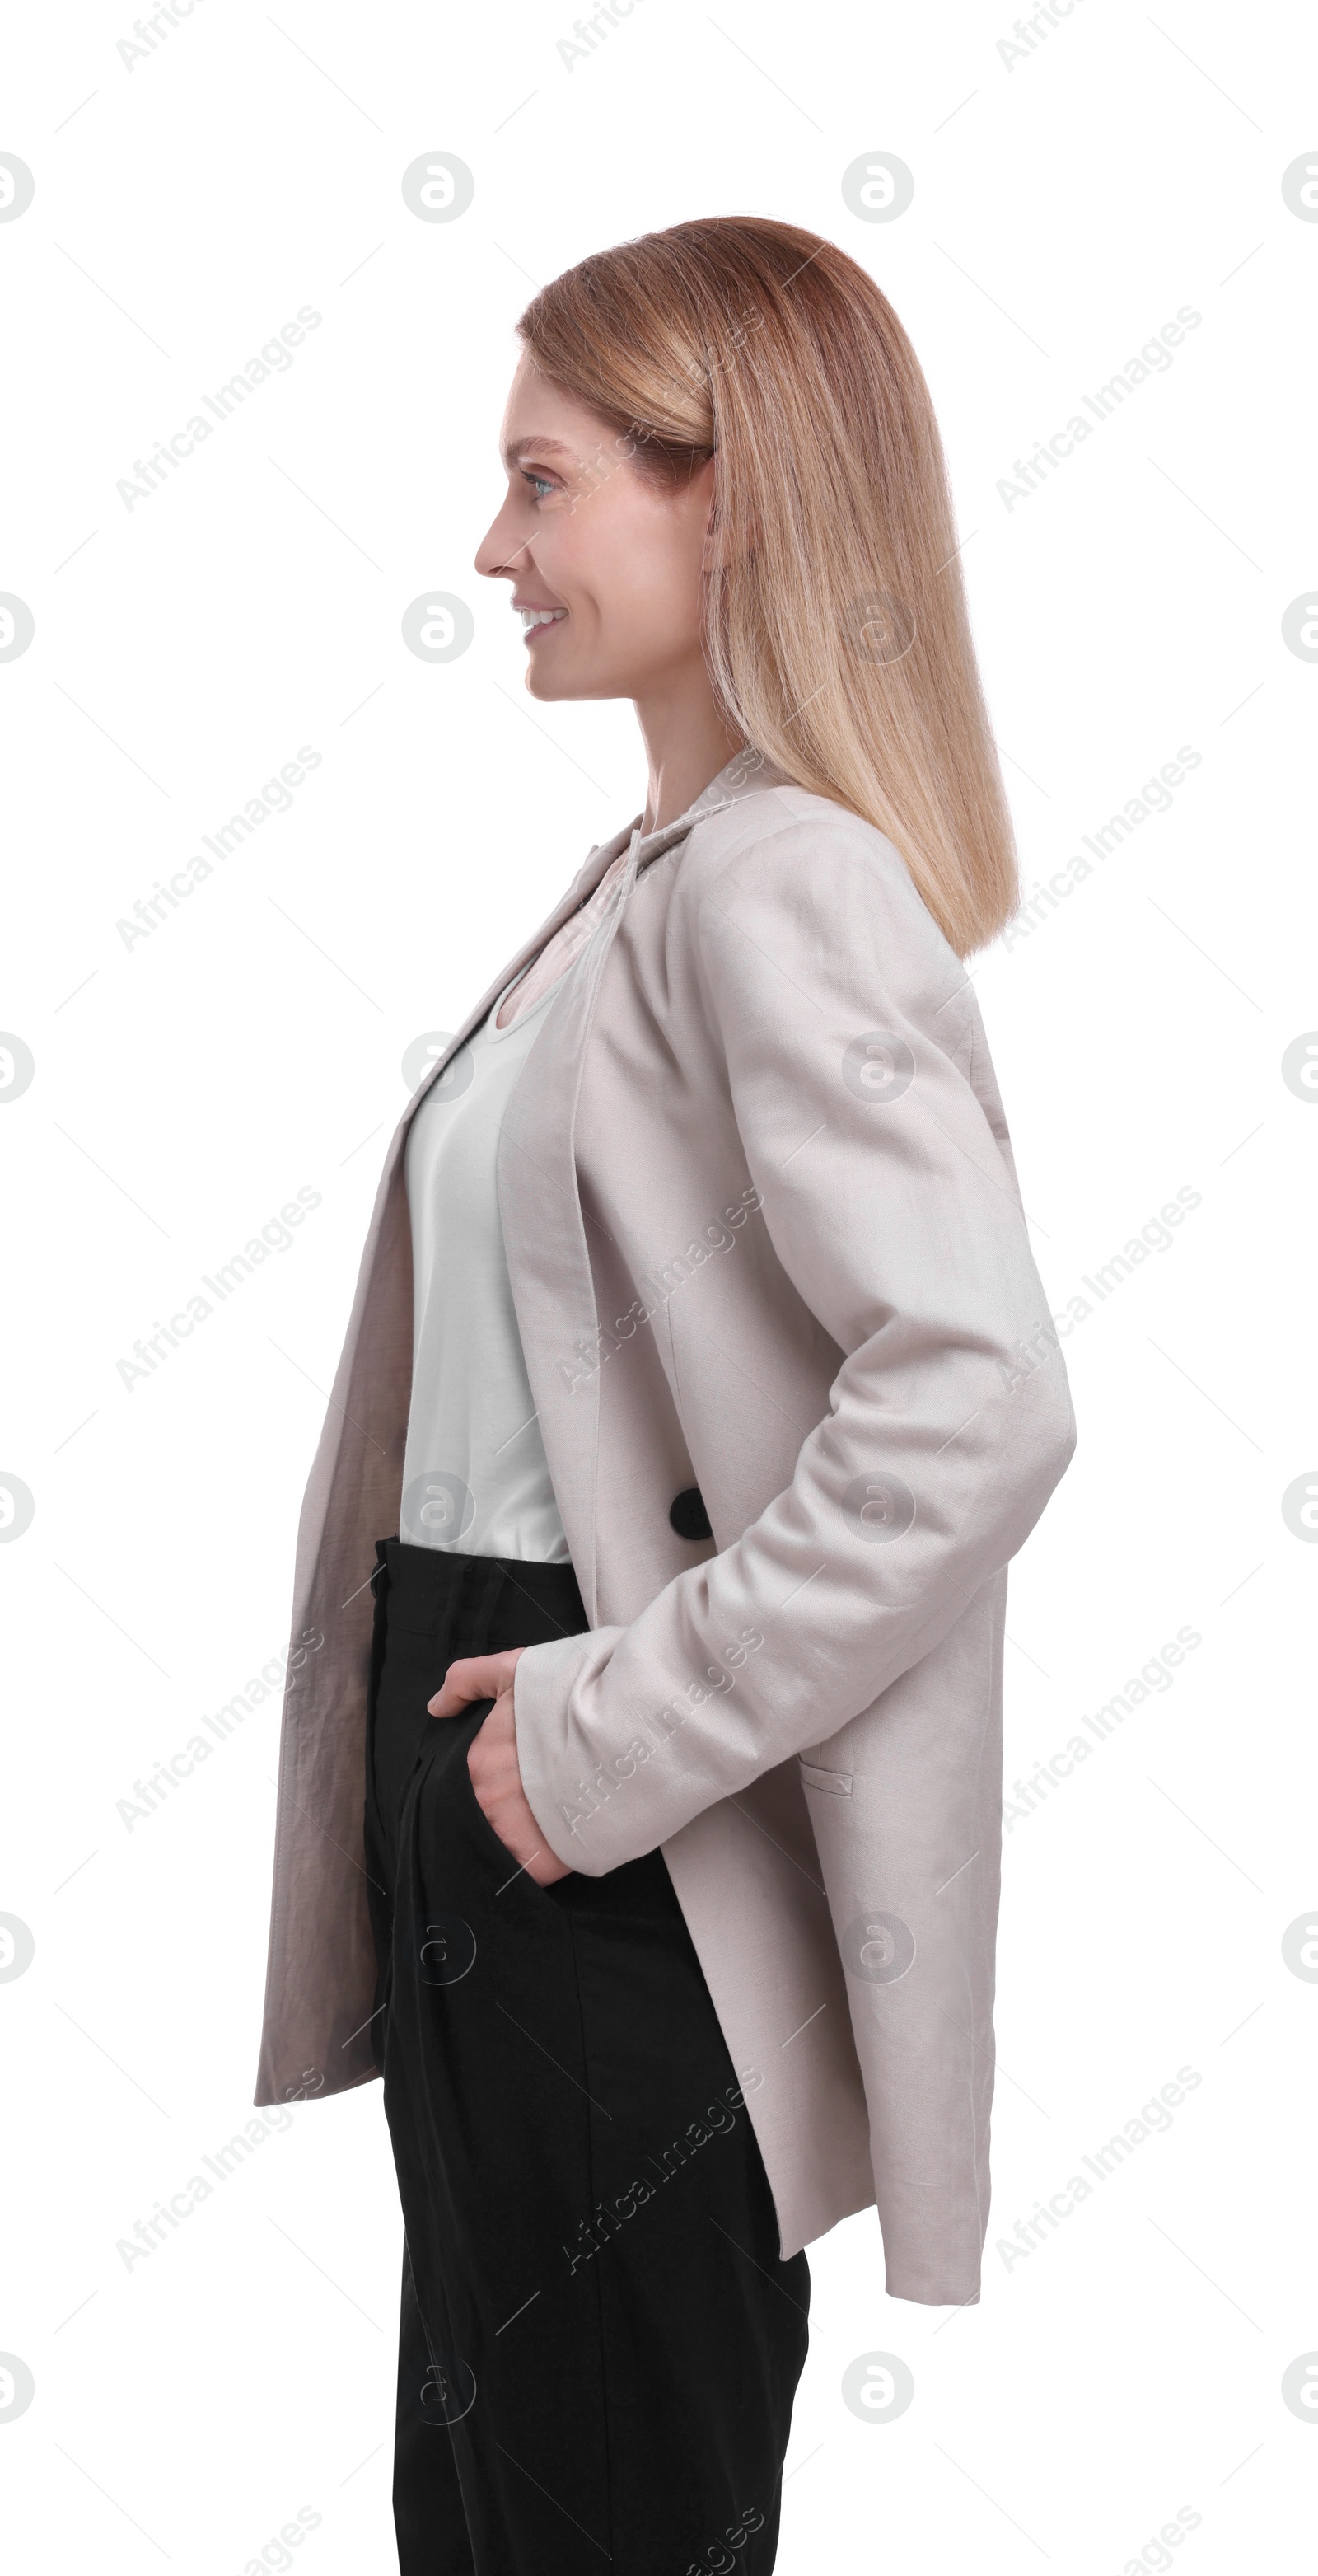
x=544, y=1224
x=583, y=885
x=545, y=1240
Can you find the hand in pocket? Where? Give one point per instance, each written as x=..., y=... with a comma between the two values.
x=492, y=1759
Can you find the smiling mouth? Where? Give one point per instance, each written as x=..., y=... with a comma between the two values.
x=534, y=620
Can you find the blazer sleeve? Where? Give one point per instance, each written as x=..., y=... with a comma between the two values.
x=863, y=1095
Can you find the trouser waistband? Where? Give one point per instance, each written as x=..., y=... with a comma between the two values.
x=491, y=1602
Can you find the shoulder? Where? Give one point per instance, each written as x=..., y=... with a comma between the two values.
x=804, y=871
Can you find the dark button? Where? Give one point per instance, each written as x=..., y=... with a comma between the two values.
x=688, y=1516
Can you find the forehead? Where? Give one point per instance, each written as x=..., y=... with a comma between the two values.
x=540, y=414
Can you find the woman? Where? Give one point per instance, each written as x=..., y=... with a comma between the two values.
x=700, y=1361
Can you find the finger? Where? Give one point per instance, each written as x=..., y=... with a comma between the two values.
x=471, y=1677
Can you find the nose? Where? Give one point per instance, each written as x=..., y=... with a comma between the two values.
x=497, y=552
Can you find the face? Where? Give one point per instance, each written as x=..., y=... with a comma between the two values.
x=611, y=561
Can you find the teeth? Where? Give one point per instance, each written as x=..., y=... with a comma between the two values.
x=540, y=616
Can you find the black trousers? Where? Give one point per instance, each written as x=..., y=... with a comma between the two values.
x=599, y=2345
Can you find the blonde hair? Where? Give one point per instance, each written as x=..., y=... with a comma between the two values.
x=836, y=631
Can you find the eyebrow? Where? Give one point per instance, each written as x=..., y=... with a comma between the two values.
x=547, y=447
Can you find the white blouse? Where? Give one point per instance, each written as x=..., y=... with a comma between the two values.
x=475, y=1476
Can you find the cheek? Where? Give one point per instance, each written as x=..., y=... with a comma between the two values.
x=647, y=590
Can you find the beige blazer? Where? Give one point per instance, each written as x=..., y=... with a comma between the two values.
x=767, y=1253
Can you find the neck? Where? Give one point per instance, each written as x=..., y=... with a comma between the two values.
x=687, y=742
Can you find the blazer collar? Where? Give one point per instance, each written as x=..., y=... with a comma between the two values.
x=744, y=775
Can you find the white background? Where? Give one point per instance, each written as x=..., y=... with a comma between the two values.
x=1066, y=205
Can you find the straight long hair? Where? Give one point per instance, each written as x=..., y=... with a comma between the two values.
x=835, y=626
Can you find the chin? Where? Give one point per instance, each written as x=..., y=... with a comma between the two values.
x=556, y=684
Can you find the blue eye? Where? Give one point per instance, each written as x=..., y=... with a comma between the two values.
x=539, y=480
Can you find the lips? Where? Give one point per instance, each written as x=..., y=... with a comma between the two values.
x=534, y=620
